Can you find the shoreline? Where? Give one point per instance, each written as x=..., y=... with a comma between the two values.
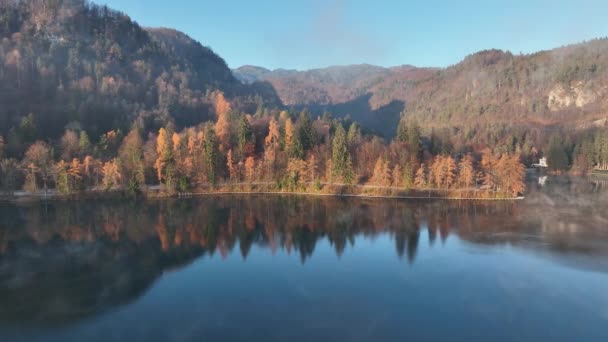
x=320, y=194
x=156, y=193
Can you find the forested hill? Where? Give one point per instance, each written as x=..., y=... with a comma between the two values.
x=71, y=63
x=567, y=86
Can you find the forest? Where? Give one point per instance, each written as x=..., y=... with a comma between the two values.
x=273, y=150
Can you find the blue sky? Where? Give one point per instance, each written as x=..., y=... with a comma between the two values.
x=303, y=34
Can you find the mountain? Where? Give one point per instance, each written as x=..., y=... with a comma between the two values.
x=567, y=87
x=71, y=63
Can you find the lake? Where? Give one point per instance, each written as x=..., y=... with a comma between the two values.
x=291, y=268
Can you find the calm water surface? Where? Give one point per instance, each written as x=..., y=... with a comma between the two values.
x=280, y=268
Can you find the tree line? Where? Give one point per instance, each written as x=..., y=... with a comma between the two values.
x=291, y=151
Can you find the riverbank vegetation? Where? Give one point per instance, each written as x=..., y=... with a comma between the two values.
x=287, y=152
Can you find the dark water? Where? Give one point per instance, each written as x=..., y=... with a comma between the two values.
x=285, y=268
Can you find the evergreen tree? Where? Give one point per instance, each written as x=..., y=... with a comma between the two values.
x=341, y=159
x=307, y=132
x=557, y=156
x=211, y=153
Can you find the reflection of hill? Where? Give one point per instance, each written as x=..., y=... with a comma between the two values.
x=78, y=259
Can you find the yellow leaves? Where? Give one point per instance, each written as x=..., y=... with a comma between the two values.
x=111, y=174
x=222, y=126
x=222, y=106
x=382, y=173
x=250, y=168
x=289, y=132
x=176, y=142
x=161, y=142
x=420, y=178
x=272, y=139
x=75, y=169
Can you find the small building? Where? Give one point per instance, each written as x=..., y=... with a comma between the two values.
x=542, y=163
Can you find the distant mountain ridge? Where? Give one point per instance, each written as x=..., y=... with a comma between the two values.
x=566, y=86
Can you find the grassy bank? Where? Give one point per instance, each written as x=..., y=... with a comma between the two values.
x=338, y=190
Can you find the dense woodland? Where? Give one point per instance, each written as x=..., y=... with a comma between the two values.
x=288, y=151
x=71, y=63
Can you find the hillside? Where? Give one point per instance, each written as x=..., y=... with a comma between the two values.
x=567, y=86
x=73, y=63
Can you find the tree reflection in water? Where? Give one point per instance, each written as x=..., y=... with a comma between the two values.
x=80, y=258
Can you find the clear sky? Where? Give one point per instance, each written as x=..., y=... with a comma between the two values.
x=303, y=34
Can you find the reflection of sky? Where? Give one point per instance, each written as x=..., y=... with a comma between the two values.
x=454, y=290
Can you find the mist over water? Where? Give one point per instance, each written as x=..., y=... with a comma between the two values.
x=302, y=268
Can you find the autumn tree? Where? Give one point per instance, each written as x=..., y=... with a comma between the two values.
x=74, y=172
x=222, y=126
x=165, y=164
x=466, y=172
x=296, y=173
x=382, y=173
x=289, y=134
x=38, y=163
x=111, y=174
x=271, y=144
x=450, y=171
x=312, y=167
x=511, y=174
x=397, y=176
x=420, y=178
x=250, y=169
x=488, y=166
x=70, y=145
x=131, y=159
x=437, y=171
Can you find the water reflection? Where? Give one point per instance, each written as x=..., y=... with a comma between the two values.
x=60, y=262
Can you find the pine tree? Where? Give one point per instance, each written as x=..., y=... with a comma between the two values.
x=307, y=133
x=341, y=159
x=354, y=134
x=246, y=138
x=211, y=152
